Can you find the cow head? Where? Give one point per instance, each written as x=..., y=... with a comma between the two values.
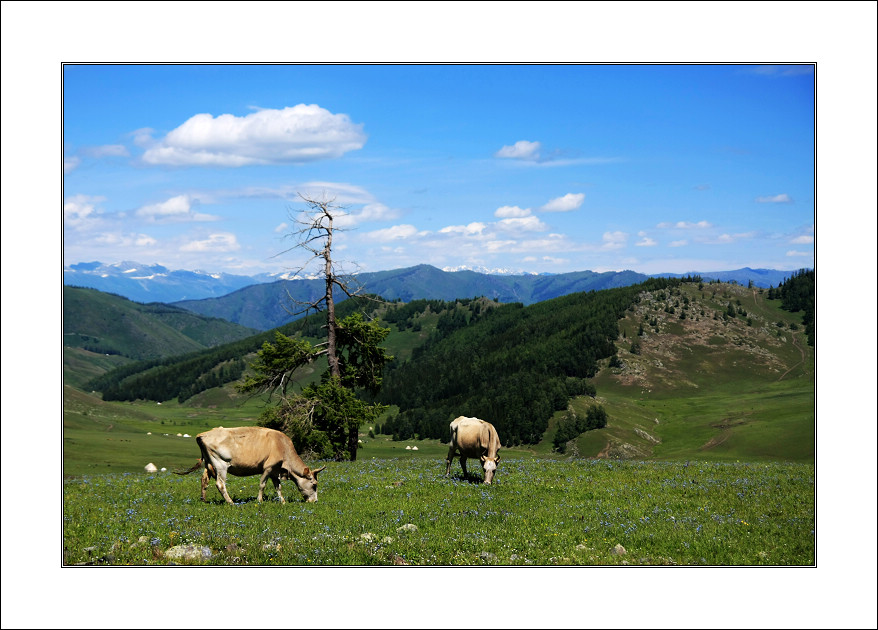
x=490, y=466
x=306, y=481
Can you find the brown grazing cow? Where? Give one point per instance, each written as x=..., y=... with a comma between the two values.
x=477, y=439
x=245, y=451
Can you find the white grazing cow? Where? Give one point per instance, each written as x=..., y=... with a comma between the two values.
x=474, y=438
x=245, y=451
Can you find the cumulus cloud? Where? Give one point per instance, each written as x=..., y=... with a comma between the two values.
x=395, y=232
x=79, y=209
x=107, y=150
x=143, y=137
x=369, y=212
x=684, y=225
x=120, y=240
x=803, y=240
x=731, y=238
x=522, y=224
x=70, y=163
x=570, y=201
x=177, y=208
x=300, y=134
x=218, y=242
x=614, y=240
x=471, y=229
x=521, y=150
x=782, y=198
x=510, y=212
x=646, y=242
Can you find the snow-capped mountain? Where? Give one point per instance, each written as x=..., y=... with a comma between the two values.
x=495, y=272
x=156, y=283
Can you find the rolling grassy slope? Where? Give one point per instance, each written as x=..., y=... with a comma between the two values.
x=708, y=386
x=705, y=387
x=102, y=331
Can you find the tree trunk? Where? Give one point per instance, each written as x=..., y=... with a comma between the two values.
x=331, y=344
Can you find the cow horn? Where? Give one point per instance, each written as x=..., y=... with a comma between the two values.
x=318, y=470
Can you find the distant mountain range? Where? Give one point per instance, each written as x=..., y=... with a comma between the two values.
x=155, y=283
x=264, y=301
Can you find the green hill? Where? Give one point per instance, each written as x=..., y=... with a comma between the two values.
x=684, y=370
x=693, y=381
x=103, y=331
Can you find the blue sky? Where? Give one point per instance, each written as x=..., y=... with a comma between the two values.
x=538, y=168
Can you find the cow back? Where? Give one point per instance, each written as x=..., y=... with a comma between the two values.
x=250, y=447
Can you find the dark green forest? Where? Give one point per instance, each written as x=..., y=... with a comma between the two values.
x=511, y=365
x=797, y=294
x=186, y=375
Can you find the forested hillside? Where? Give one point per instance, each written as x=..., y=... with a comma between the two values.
x=183, y=376
x=516, y=365
x=797, y=293
x=265, y=306
x=102, y=331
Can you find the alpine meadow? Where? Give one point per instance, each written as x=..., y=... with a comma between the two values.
x=665, y=423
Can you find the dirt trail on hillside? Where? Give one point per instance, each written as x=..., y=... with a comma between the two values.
x=801, y=352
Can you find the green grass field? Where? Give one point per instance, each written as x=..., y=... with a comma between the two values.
x=403, y=510
x=707, y=459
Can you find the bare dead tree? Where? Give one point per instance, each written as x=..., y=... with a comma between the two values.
x=351, y=346
x=315, y=235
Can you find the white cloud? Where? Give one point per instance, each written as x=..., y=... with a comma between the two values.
x=144, y=240
x=793, y=252
x=219, y=242
x=521, y=150
x=283, y=227
x=70, y=163
x=340, y=192
x=803, y=240
x=678, y=243
x=79, y=209
x=300, y=134
x=107, y=150
x=472, y=229
x=731, y=238
x=570, y=201
x=369, y=212
x=500, y=246
x=522, y=224
x=510, y=212
x=782, y=198
x=177, y=208
x=684, y=225
x=120, y=240
x=614, y=240
x=395, y=232
x=646, y=242
x=143, y=137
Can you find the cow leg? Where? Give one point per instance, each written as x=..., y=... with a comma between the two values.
x=463, y=465
x=221, y=484
x=262, y=481
x=205, y=479
x=276, y=483
x=448, y=459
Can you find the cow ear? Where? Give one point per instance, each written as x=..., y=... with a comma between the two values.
x=306, y=472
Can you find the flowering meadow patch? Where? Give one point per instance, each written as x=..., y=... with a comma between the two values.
x=406, y=512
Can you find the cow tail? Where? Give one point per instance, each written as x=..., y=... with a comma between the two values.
x=197, y=465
